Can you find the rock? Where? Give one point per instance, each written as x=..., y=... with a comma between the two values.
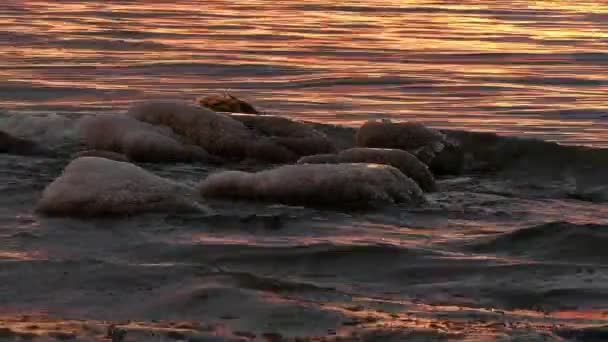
x=217, y=133
x=342, y=137
x=407, y=163
x=296, y=136
x=226, y=103
x=264, y=149
x=402, y=160
x=102, y=154
x=348, y=186
x=425, y=154
x=409, y=136
x=450, y=161
x=91, y=186
x=139, y=141
x=13, y=145
x=220, y=134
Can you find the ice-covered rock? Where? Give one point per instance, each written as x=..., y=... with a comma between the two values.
x=139, y=141
x=422, y=141
x=296, y=136
x=91, y=186
x=317, y=185
x=222, y=135
x=402, y=160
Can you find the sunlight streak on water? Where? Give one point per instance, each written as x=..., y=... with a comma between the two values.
x=536, y=68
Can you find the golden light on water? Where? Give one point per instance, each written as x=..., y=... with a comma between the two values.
x=506, y=66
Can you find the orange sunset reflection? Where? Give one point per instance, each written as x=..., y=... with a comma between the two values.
x=474, y=64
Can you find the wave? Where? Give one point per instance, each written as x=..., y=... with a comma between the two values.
x=552, y=241
x=323, y=256
x=53, y=131
x=530, y=160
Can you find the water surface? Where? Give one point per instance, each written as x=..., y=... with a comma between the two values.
x=514, y=254
x=535, y=68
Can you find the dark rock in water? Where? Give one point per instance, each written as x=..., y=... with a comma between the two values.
x=102, y=154
x=349, y=186
x=404, y=161
x=296, y=136
x=450, y=161
x=403, y=135
x=226, y=103
x=91, y=186
x=425, y=154
x=13, y=145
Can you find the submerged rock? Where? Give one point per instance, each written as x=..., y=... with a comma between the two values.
x=139, y=141
x=450, y=161
x=317, y=185
x=91, y=186
x=226, y=103
x=407, y=163
x=13, y=145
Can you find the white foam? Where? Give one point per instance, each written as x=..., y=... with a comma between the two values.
x=50, y=130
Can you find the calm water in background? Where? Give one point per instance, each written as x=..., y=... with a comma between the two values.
x=518, y=67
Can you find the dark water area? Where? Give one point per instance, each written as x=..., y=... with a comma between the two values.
x=511, y=249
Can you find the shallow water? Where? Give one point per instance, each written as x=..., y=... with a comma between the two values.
x=518, y=67
x=496, y=256
x=515, y=254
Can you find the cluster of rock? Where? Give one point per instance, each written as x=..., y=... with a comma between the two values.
x=391, y=164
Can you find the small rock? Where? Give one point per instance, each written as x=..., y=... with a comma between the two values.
x=226, y=103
